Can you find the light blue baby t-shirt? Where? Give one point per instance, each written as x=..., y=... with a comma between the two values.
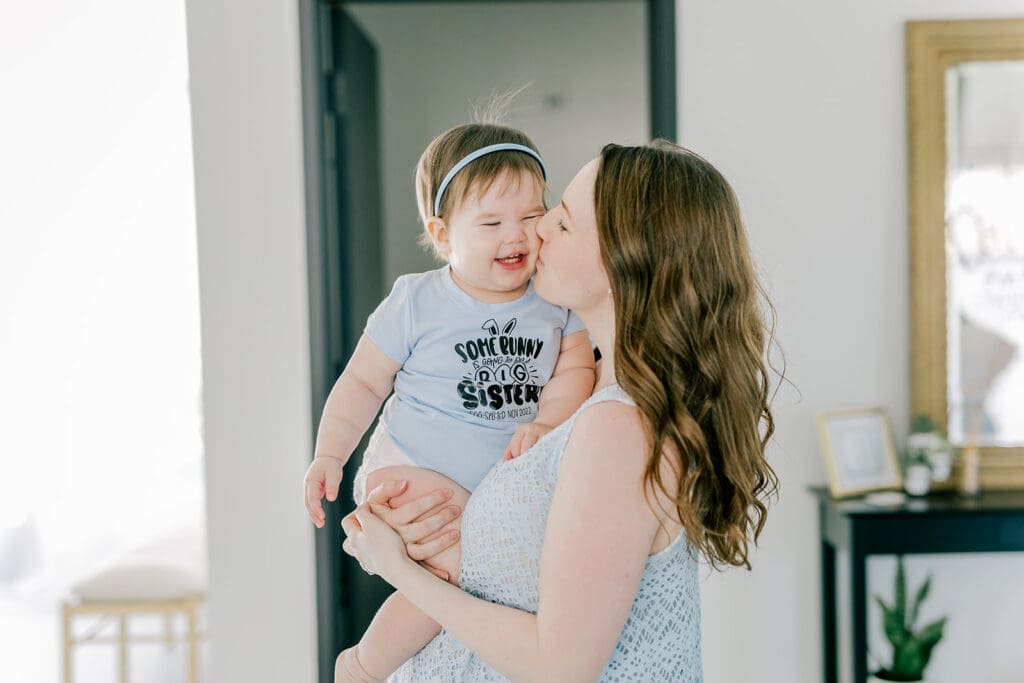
x=471, y=371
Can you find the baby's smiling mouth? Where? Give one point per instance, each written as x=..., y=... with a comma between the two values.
x=514, y=258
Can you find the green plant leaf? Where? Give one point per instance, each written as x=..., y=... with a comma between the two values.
x=922, y=593
x=892, y=622
x=922, y=423
x=929, y=637
x=933, y=631
x=907, y=659
x=901, y=590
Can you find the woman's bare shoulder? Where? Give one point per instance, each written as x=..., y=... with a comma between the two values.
x=607, y=431
x=608, y=441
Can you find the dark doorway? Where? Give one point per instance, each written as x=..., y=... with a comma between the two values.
x=346, y=271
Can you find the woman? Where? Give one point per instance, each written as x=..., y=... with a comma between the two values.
x=579, y=558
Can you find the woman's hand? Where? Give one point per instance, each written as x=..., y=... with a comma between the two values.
x=414, y=521
x=378, y=547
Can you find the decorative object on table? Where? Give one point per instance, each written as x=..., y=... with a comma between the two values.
x=859, y=452
x=926, y=439
x=911, y=646
x=970, y=477
x=917, y=476
x=884, y=499
x=994, y=355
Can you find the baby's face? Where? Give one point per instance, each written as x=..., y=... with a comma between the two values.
x=492, y=238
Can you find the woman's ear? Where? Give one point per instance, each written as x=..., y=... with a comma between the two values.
x=438, y=232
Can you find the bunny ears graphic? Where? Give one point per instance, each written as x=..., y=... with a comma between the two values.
x=492, y=327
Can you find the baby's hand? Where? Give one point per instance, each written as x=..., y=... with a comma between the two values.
x=322, y=479
x=527, y=435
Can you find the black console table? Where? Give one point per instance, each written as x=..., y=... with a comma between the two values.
x=940, y=523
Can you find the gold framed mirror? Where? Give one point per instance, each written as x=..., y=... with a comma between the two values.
x=965, y=129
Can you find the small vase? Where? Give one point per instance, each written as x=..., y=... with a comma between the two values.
x=917, y=480
x=936, y=449
x=941, y=464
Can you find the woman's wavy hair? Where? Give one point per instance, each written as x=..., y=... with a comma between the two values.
x=690, y=338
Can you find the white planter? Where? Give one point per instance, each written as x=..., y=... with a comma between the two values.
x=938, y=451
x=942, y=465
x=917, y=480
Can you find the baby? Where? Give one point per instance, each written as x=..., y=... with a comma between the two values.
x=481, y=367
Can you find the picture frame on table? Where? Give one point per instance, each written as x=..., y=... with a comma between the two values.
x=859, y=452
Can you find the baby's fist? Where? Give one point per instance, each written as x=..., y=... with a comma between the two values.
x=526, y=435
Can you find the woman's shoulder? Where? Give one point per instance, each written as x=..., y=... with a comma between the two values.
x=611, y=401
x=608, y=426
x=609, y=435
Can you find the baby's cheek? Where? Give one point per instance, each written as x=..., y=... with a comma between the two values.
x=533, y=239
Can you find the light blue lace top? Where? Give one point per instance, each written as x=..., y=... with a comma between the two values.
x=502, y=535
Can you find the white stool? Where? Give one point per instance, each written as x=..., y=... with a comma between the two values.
x=162, y=578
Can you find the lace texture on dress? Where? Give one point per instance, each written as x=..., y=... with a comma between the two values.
x=502, y=536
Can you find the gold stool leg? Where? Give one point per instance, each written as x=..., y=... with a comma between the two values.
x=169, y=628
x=122, y=645
x=68, y=642
x=193, y=668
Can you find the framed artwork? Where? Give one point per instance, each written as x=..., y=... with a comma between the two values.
x=859, y=453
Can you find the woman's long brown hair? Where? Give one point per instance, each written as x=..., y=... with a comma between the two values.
x=690, y=339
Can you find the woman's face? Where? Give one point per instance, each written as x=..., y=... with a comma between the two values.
x=569, y=268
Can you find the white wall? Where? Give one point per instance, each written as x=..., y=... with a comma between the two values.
x=587, y=63
x=246, y=118
x=801, y=105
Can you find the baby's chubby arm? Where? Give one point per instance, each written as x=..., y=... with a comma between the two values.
x=571, y=383
x=348, y=412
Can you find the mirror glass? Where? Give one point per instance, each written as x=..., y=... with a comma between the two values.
x=985, y=252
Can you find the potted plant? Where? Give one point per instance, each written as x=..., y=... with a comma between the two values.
x=925, y=439
x=917, y=474
x=912, y=647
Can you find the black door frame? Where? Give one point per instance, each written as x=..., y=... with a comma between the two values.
x=661, y=64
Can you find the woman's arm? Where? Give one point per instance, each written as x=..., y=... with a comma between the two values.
x=598, y=537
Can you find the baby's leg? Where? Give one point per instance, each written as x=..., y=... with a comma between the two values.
x=399, y=630
x=422, y=482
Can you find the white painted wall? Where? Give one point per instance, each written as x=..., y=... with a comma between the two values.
x=247, y=140
x=587, y=62
x=801, y=105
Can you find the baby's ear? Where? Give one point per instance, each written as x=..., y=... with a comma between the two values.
x=438, y=231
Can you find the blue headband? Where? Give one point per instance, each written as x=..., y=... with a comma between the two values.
x=505, y=146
